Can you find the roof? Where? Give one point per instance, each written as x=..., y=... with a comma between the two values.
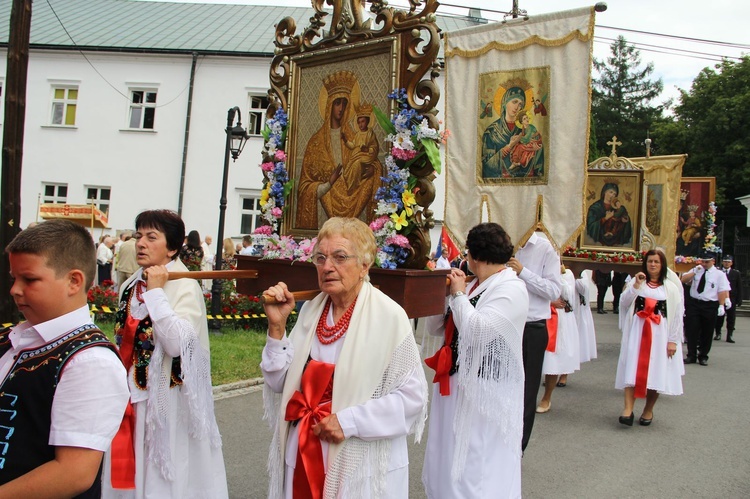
x=144, y=26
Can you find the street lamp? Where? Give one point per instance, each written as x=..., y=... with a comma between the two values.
x=236, y=139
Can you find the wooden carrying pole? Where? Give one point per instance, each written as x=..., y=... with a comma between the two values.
x=312, y=293
x=214, y=274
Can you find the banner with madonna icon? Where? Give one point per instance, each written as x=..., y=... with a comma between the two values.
x=518, y=96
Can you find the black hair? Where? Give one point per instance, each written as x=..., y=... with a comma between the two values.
x=489, y=243
x=166, y=221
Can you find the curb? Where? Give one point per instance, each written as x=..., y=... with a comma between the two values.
x=237, y=388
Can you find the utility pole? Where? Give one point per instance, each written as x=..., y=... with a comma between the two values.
x=12, y=155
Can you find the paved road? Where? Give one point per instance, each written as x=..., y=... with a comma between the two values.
x=697, y=446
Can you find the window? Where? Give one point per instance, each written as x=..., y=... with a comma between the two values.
x=54, y=193
x=64, y=103
x=99, y=196
x=250, y=214
x=142, y=109
x=257, y=117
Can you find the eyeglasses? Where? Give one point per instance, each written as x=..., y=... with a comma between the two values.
x=319, y=259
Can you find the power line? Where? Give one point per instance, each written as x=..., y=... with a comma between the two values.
x=684, y=38
x=676, y=51
x=97, y=71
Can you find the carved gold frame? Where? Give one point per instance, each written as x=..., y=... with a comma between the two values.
x=416, y=38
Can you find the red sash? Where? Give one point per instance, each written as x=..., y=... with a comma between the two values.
x=308, y=406
x=552, y=331
x=122, y=452
x=443, y=359
x=644, y=356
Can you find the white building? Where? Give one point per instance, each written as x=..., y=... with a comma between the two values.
x=129, y=109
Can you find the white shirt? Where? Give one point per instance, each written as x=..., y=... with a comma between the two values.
x=442, y=263
x=103, y=254
x=541, y=273
x=247, y=250
x=91, y=396
x=716, y=281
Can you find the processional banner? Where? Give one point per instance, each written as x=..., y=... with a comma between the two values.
x=518, y=96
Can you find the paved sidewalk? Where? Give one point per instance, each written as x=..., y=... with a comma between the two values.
x=697, y=446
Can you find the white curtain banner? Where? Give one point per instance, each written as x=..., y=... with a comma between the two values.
x=518, y=97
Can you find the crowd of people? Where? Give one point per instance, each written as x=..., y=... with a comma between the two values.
x=345, y=387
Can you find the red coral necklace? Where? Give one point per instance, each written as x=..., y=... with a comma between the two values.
x=329, y=334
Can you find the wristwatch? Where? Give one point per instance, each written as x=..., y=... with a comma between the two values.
x=457, y=294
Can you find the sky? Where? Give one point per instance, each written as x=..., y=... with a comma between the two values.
x=716, y=21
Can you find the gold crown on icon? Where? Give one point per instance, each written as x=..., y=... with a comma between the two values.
x=693, y=208
x=364, y=110
x=612, y=180
x=684, y=195
x=340, y=82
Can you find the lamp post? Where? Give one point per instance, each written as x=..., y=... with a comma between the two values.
x=236, y=139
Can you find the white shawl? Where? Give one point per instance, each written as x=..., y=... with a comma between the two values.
x=378, y=355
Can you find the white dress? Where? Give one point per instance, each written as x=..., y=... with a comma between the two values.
x=183, y=458
x=584, y=319
x=493, y=445
x=664, y=373
x=565, y=358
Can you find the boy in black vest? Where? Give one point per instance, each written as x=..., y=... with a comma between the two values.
x=63, y=389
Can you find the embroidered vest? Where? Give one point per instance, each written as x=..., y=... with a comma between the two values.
x=660, y=308
x=143, y=345
x=26, y=396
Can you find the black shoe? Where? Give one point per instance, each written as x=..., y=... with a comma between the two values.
x=617, y=310
x=627, y=420
x=729, y=339
x=644, y=422
x=689, y=360
x=703, y=362
x=717, y=337
x=600, y=311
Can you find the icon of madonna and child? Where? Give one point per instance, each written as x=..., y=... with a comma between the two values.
x=340, y=171
x=512, y=146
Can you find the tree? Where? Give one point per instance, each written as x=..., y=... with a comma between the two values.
x=621, y=100
x=712, y=125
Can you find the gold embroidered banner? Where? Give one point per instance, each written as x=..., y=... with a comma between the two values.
x=518, y=96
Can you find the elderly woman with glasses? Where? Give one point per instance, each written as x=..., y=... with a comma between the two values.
x=346, y=386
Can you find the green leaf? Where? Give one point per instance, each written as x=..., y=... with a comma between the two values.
x=414, y=159
x=432, y=153
x=266, y=133
x=288, y=188
x=411, y=182
x=384, y=121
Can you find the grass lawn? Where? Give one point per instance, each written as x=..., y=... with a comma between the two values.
x=235, y=353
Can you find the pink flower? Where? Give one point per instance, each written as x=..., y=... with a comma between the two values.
x=398, y=240
x=404, y=154
x=264, y=229
x=267, y=166
x=378, y=223
x=276, y=211
x=280, y=155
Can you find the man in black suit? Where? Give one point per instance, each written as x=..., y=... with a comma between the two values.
x=618, y=282
x=603, y=280
x=735, y=295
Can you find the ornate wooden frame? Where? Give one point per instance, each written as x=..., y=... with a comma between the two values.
x=614, y=166
x=416, y=39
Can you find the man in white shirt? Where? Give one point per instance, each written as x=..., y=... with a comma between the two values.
x=709, y=297
x=538, y=265
x=247, y=246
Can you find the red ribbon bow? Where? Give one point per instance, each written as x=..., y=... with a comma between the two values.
x=552, y=331
x=443, y=359
x=644, y=356
x=308, y=407
x=122, y=452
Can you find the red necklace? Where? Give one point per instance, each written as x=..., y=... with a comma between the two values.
x=139, y=287
x=326, y=334
x=652, y=284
